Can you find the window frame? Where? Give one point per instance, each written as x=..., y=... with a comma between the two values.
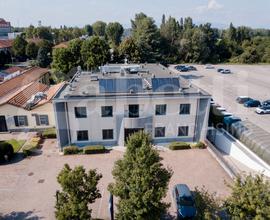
x=133, y=115
x=184, y=134
x=46, y=117
x=157, y=135
x=158, y=112
x=106, y=132
x=182, y=109
x=21, y=118
x=79, y=139
x=78, y=114
x=103, y=110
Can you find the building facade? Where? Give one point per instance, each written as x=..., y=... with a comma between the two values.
x=5, y=28
x=107, y=106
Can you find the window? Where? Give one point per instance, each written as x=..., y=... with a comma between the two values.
x=107, y=111
x=80, y=112
x=82, y=135
x=107, y=134
x=21, y=121
x=184, y=109
x=43, y=120
x=182, y=131
x=160, y=132
x=161, y=109
x=133, y=111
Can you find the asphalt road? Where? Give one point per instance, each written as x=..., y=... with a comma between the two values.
x=245, y=80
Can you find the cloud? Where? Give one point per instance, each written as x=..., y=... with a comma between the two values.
x=212, y=5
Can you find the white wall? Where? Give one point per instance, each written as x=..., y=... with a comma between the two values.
x=229, y=145
x=94, y=123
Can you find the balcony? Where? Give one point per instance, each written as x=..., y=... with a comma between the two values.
x=139, y=122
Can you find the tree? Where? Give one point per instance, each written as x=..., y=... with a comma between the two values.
x=32, y=50
x=95, y=52
x=99, y=28
x=5, y=58
x=114, y=32
x=146, y=37
x=141, y=181
x=44, y=33
x=250, y=198
x=43, y=59
x=88, y=29
x=19, y=46
x=62, y=60
x=128, y=49
x=79, y=190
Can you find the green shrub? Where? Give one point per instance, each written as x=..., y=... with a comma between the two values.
x=6, y=151
x=49, y=133
x=16, y=144
x=94, y=149
x=179, y=146
x=69, y=150
x=199, y=145
x=31, y=146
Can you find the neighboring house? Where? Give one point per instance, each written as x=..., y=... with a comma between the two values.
x=107, y=106
x=10, y=73
x=61, y=45
x=25, y=101
x=5, y=45
x=5, y=28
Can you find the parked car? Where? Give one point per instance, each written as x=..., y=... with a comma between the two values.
x=266, y=103
x=184, y=201
x=221, y=109
x=226, y=71
x=191, y=68
x=209, y=66
x=242, y=99
x=228, y=121
x=226, y=114
x=252, y=103
x=182, y=68
x=263, y=110
x=220, y=69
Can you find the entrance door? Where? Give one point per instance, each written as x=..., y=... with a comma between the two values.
x=130, y=131
x=3, y=124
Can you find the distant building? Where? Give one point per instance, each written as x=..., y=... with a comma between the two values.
x=5, y=45
x=5, y=28
x=26, y=101
x=107, y=106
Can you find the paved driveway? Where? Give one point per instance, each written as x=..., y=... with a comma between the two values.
x=27, y=188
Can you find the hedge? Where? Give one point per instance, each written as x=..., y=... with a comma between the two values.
x=6, y=150
x=179, y=146
x=31, y=146
x=49, y=133
x=69, y=150
x=199, y=145
x=94, y=149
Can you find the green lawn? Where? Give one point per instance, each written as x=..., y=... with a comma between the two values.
x=16, y=144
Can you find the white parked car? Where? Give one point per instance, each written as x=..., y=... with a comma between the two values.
x=209, y=66
x=263, y=110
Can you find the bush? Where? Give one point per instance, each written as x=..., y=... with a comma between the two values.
x=16, y=144
x=94, y=149
x=71, y=150
x=31, y=146
x=49, y=133
x=179, y=146
x=6, y=151
x=199, y=145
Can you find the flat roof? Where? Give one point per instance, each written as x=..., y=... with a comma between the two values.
x=127, y=80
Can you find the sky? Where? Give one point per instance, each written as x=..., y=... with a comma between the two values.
x=253, y=13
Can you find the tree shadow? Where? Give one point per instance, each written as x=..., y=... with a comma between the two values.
x=18, y=157
x=192, y=76
x=20, y=215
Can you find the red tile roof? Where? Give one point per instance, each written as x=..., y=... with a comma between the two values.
x=6, y=44
x=21, y=98
x=61, y=45
x=23, y=79
x=13, y=69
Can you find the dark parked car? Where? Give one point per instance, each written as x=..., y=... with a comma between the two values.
x=242, y=99
x=252, y=103
x=184, y=202
x=266, y=103
x=182, y=68
x=191, y=68
x=220, y=69
x=228, y=121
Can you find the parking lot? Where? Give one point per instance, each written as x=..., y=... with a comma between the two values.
x=28, y=186
x=245, y=80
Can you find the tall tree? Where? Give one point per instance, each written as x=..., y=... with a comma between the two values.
x=19, y=46
x=95, y=52
x=32, y=50
x=79, y=190
x=88, y=29
x=99, y=28
x=128, y=49
x=250, y=198
x=114, y=32
x=44, y=33
x=146, y=37
x=141, y=181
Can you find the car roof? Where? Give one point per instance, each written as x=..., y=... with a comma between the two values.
x=183, y=190
x=242, y=97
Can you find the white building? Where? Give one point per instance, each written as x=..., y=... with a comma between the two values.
x=105, y=107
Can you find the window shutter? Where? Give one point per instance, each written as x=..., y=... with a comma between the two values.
x=16, y=121
x=26, y=121
x=37, y=120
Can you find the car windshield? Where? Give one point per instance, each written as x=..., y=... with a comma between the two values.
x=186, y=201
